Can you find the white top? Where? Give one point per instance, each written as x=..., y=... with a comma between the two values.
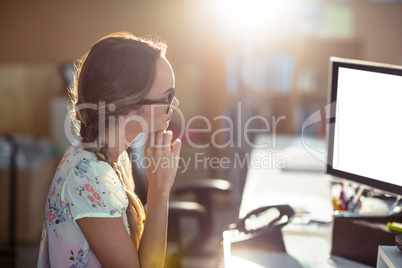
x=82, y=187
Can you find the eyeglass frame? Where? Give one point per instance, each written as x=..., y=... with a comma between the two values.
x=172, y=93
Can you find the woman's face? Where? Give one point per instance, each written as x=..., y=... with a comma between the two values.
x=155, y=116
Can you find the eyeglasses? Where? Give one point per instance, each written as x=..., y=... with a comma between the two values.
x=168, y=102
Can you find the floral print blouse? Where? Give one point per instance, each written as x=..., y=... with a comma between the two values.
x=82, y=187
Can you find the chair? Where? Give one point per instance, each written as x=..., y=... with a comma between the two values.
x=8, y=250
x=201, y=209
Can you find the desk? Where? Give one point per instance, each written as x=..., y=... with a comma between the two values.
x=308, y=237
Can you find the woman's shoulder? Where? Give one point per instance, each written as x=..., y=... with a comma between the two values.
x=74, y=155
x=77, y=158
x=82, y=166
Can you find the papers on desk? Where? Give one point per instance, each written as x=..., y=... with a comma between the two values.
x=307, y=192
x=260, y=259
x=305, y=156
x=252, y=259
x=309, y=252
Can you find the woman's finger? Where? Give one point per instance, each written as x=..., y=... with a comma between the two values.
x=167, y=138
x=159, y=139
x=176, y=147
x=150, y=141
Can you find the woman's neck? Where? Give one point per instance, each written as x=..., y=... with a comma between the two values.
x=117, y=145
x=115, y=152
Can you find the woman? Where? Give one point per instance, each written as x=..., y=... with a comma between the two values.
x=124, y=86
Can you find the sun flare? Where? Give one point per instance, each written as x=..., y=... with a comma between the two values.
x=252, y=16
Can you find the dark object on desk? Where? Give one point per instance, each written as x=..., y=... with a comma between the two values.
x=357, y=237
x=285, y=214
x=267, y=237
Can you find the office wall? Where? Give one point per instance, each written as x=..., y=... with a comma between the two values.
x=36, y=36
x=42, y=34
x=54, y=31
x=378, y=27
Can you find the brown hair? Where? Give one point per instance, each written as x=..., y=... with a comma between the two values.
x=119, y=69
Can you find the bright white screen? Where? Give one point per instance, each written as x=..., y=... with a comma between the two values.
x=368, y=130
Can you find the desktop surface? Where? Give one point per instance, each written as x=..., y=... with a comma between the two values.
x=307, y=237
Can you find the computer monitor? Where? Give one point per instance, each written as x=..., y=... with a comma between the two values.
x=365, y=125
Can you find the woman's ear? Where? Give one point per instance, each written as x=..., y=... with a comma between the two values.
x=128, y=117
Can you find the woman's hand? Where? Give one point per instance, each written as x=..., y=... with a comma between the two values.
x=162, y=160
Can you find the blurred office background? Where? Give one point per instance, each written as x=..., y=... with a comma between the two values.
x=237, y=58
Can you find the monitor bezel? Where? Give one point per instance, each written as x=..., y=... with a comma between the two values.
x=335, y=64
